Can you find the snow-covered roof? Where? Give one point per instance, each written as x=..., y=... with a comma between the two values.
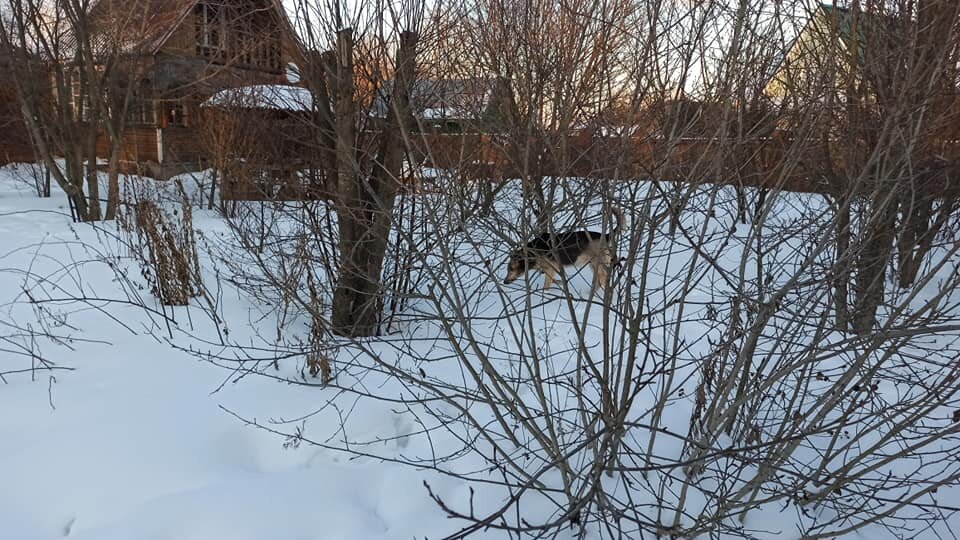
x=264, y=96
x=439, y=99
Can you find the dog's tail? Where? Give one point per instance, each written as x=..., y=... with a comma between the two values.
x=618, y=214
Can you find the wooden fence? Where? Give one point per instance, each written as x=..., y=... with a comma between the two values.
x=777, y=162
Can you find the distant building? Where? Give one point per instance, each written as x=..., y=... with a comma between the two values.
x=265, y=144
x=190, y=50
x=823, y=54
x=839, y=50
x=477, y=105
x=14, y=137
x=684, y=118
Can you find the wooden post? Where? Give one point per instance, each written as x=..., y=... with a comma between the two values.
x=321, y=77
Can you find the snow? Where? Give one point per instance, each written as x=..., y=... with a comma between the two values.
x=133, y=442
x=264, y=96
x=133, y=438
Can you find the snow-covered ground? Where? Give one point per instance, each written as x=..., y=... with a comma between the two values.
x=133, y=442
x=128, y=437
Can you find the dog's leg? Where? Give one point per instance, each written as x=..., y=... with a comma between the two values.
x=599, y=268
x=595, y=270
x=548, y=277
x=605, y=265
x=601, y=276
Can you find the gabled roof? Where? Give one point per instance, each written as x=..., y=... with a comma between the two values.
x=438, y=99
x=842, y=15
x=144, y=26
x=839, y=27
x=868, y=24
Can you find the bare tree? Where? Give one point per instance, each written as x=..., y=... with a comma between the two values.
x=569, y=399
x=89, y=56
x=710, y=383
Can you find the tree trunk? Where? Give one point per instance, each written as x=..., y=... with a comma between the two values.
x=841, y=266
x=93, y=195
x=385, y=182
x=93, y=183
x=113, y=182
x=348, y=188
x=70, y=183
x=213, y=188
x=877, y=247
x=916, y=223
x=321, y=76
x=533, y=186
x=931, y=78
x=78, y=201
x=922, y=226
x=366, y=207
x=741, y=203
x=73, y=184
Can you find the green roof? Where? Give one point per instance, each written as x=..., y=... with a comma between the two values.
x=867, y=23
x=842, y=16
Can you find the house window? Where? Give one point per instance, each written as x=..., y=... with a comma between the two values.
x=211, y=30
x=79, y=100
x=244, y=44
x=267, y=181
x=141, y=112
x=174, y=115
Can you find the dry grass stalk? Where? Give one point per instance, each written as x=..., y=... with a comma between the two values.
x=165, y=245
x=318, y=362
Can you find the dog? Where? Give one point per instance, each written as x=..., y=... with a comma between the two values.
x=549, y=253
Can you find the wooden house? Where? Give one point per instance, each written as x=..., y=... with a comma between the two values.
x=15, y=143
x=829, y=51
x=819, y=50
x=839, y=51
x=189, y=50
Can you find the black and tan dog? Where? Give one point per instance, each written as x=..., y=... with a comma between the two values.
x=549, y=253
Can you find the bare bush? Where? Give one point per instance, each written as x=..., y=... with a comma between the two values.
x=163, y=241
x=710, y=382
x=34, y=175
x=714, y=381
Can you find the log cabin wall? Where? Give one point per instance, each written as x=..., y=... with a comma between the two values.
x=139, y=145
x=15, y=145
x=183, y=40
x=183, y=145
